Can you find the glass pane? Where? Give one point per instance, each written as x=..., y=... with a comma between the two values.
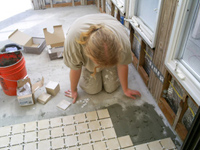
x=191, y=52
x=147, y=12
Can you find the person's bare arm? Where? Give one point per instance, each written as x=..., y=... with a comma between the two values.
x=74, y=79
x=123, y=77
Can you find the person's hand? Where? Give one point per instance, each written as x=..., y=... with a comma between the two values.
x=132, y=93
x=72, y=94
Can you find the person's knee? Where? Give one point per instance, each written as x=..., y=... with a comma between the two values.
x=110, y=89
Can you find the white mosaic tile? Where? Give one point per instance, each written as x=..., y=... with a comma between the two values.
x=69, y=130
x=96, y=136
x=16, y=139
x=86, y=147
x=109, y=133
x=43, y=134
x=84, y=138
x=103, y=113
x=43, y=124
x=30, y=126
x=18, y=128
x=30, y=146
x=67, y=120
x=129, y=148
x=80, y=118
x=106, y=123
x=167, y=143
x=125, y=141
x=112, y=144
x=142, y=147
x=99, y=146
x=155, y=145
x=71, y=141
x=91, y=116
x=57, y=143
x=55, y=122
x=94, y=125
x=4, y=141
x=30, y=137
x=44, y=145
x=17, y=147
x=72, y=148
x=56, y=132
x=81, y=128
x=4, y=131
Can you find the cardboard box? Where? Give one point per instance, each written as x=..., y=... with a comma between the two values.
x=25, y=91
x=52, y=88
x=34, y=45
x=55, y=42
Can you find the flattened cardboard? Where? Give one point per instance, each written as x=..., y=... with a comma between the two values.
x=32, y=45
x=29, y=99
x=55, y=39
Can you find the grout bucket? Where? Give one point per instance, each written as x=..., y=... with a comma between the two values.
x=12, y=68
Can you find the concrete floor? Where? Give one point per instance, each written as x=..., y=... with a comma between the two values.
x=141, y=118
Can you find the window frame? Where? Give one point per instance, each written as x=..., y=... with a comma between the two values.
x=185, y=12
x=144, y=31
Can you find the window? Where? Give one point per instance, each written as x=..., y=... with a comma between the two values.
x=183, y=56
x=120, y=4
x=145, y=17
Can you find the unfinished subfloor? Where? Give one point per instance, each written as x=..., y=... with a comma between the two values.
x=141, y=118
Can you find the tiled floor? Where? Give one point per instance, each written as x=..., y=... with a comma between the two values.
x=85, y=131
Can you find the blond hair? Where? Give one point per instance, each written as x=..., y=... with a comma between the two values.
x=101, y=45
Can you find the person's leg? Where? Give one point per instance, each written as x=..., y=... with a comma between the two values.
x=88, y=83
x=110, y=79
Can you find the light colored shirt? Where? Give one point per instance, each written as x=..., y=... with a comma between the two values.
x=74, y=56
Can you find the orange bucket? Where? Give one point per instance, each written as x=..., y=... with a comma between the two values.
x=12, y=68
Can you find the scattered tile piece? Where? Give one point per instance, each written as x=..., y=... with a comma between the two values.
x=81, y=128
x=86, y=147
x=96, y=136
x=125, y=141
x=63, y=104
x=4, y=141
x=79, y=118
x=155, y=145
x=112, y=144
x=142, y=147
x=30, y=146
x=91, y=116
x=57, y=143
x=44, y=145
x=43, y=124
x=55, y=122
x=109, y=133
x=103, y=113
x=17, y=147
x=43, y=134
x=99, y=146
x=67, y=120
x=56, y=132
x=44, y=98
x=69, y=130
x=16, y=139
x=30, y=126
x=94, y=125
x=4, y=131
x=167, y=143
x=30, y=137
x=106, y=123
x=71, y=141
x=52, y=88
x=84, y=138
x=18, y=128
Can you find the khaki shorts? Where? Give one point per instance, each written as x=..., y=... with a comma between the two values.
x=107, y=79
